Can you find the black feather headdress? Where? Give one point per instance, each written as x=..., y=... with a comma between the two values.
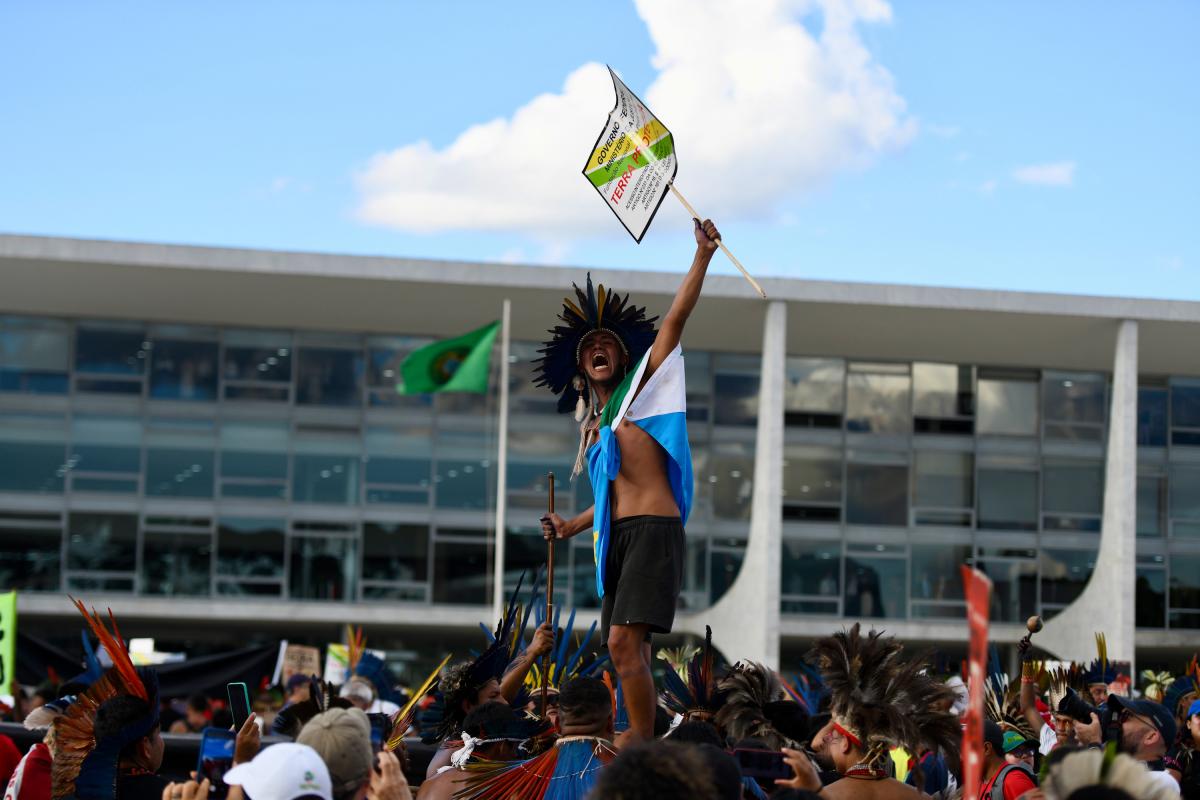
x=754, y=705
x=593, y=310
x=882, y=700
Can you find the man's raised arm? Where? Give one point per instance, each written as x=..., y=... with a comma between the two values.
x=685, y=299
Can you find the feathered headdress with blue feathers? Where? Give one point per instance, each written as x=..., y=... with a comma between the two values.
x=595, y=309
x=567, y=661
x=694, y=693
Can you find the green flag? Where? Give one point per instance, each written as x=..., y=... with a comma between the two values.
x=451, y=365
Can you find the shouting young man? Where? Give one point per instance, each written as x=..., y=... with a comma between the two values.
x=626, y=383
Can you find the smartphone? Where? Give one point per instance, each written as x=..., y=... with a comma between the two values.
x=381, y=729
x=216, y=758
x=239, y=704
x=762, y=764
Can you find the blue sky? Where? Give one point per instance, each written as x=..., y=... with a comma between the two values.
x=1021, y=145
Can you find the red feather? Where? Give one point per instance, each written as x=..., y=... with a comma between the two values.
x=122, y=663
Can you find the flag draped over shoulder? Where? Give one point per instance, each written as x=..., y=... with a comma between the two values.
x=660, y=409
x=451, y=365
x=633, y=161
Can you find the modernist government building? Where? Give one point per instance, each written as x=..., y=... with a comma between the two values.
x=210, y=442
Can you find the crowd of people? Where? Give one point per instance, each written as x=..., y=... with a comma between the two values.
x=863, y=718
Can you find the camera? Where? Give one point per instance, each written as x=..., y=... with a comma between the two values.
x=1078, y=709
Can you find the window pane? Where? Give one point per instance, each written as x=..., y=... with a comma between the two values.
x=461, y=573
x=325, y=479
x=731, y=479
x=813, y=568
x=329, y=377
x=877, y=403
x=1065, y=573
x=735, y=389
x=322, y=569
x=1151, y=504
x=1014, y=589
x=944, y=480
x=812, y=484
x=814, y=392
x=1185, y=405
x=1007, y=407
x=1150, y=604
x=111, y=352
x=724, y=566
x=1074, y=398
x=935, y=571
x=525, y=553
x=106, y=444
x=464, y=478
x=179, y=473
x=876, y=494
x=699, y=380
x=183, y=370
x=1185, y=493
x=942, y=395
x=102, y=542
x=176, y=564
x=1185, y=581
x=257, y=356
x=395, y=552
x=30, y=558
x=1008, y=499
x=32, y=453
x=1075, y=487
x=33, y=355
x=875, y=587
x=583, y=575
x=250, y=547
x=1152, y=416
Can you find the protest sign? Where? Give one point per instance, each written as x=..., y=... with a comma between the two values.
x=8, y=639
x=633, y=166
x=978, y=590
x=632, y=162
x=296, y=659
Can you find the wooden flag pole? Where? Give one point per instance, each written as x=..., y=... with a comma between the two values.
x=549, y=603
x=696, y=215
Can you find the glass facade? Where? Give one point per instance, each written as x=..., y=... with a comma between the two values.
x=195, y=462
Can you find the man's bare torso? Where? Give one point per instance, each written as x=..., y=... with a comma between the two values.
x=857, y=789
x=641, y=486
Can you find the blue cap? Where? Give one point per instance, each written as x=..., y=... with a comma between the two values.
x=1193, y=709
x=1157, y=713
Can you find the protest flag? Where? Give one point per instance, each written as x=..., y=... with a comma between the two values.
x=633, y=166
x=8, y=640
x=461, y=364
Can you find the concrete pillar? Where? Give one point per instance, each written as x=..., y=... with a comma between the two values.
x=1107, y=602
x=745, y=622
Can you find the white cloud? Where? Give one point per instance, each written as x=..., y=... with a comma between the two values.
x=760, y=107
x=1058, y=173
x=987, y=187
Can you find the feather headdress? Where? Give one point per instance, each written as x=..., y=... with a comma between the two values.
x=567, y=661
x=755, y=706
x=289, y=720
x=84, y=767
x=806, y=688
x=566, y=771
x=462, y=681
x=402, y=720
x=694, y=692
x=1184, y=690
x=880, y=700
x=1101, y=670
x=1102, y=768
x=592, y=310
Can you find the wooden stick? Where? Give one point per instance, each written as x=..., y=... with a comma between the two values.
x=549, y=603
x=696, y=215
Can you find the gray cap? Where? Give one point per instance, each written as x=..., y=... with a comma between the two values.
x=342, y=737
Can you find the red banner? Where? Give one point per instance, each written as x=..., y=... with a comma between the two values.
x=978, y=590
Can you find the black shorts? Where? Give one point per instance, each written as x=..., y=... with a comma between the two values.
x=644, y=573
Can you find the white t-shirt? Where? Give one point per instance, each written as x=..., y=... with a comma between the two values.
x=1165, y=780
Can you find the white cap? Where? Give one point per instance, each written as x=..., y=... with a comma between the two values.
x=283, y=772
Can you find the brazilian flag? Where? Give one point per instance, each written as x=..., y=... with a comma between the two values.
x=451, y=365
